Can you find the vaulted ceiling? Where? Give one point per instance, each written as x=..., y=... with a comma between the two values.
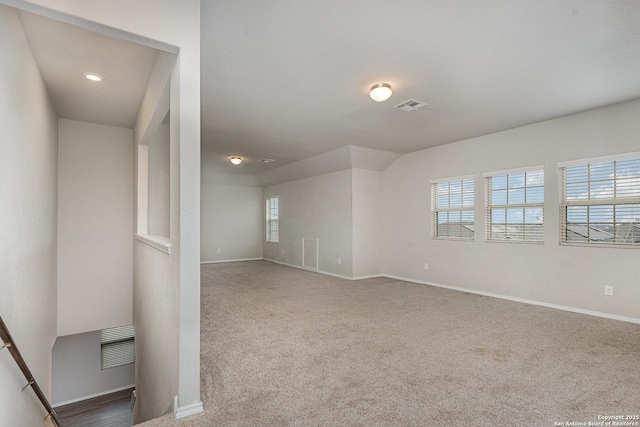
x=289, y=80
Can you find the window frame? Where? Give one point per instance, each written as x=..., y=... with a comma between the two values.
x=462, y=208
x=489, y=206
x=269, y=220
x=614, y=202
x=120, y=335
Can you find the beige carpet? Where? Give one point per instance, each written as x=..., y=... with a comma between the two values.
x=286, y=347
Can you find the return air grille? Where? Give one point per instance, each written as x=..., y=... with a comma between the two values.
x=410, y=105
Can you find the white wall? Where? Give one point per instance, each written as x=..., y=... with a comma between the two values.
x=157, y=310
x=317, y=207
x=95, y=227
x=28, y=210
x=77, y=373
x=159, y=195
x=156, y=274
x=368, y=227
x=231, y=221
x=549, y=273
x=168, y=22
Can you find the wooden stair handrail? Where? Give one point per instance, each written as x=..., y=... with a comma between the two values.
x=13, y=349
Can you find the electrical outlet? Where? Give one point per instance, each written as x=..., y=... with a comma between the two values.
x=283, y=252
x=219, y=250
x=426, y=266
x=608, y=290
x=339, y=261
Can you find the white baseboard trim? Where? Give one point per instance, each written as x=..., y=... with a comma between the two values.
x=371, y=276
x=231, y=260
x=192, y=409
x=521, y=300
x=326, y=273
x=471, y=291
x=91, y=396
x=173, y=407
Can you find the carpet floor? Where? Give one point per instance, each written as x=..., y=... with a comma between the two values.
x=287, y=347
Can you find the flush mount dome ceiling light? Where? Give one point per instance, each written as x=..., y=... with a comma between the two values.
x=380, y=92
x=93, y=77
x=236, y=160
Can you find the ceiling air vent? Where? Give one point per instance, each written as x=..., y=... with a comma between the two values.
x=410, y=105
x=265, y=160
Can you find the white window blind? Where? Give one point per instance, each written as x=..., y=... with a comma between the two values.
x=515, y=205
x=452, y=204
x=272, y=215
x=117, y=346
x=600, y=202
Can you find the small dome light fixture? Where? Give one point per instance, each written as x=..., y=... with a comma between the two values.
x=236, y=160
x=93, y=77
x=380, y=92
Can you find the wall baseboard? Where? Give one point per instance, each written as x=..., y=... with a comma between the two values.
x=467, y=290
x=371, y=276
x=91, y=396
x=185, y=411
x=521, y=300
x=231, y=260
x=326, y=273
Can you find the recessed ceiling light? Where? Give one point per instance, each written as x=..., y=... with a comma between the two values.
x=236, y=160
x=93, y=77
x=265, y=160
x=380, y=92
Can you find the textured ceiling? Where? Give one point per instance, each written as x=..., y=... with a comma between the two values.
x=289, y=79
x=64, y=52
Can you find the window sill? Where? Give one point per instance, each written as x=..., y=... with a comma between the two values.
x=453, y=239
x=161, y=243
x=601, y=245
x=516, y=242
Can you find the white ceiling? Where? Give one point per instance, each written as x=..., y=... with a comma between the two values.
x=289, y=80
x=64, y=52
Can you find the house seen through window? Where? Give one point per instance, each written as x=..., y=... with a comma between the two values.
x=600, y=201
x=515, y=205
x=452, y=208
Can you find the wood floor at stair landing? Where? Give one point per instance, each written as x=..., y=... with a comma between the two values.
x=111, y=410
